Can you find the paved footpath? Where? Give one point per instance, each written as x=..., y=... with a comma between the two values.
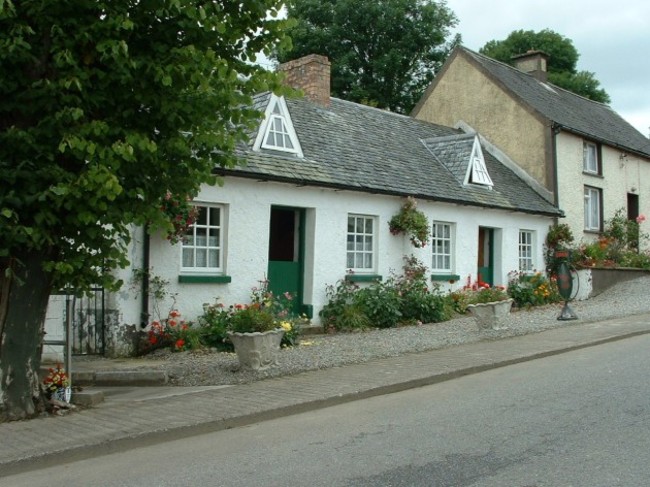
x=116, y=425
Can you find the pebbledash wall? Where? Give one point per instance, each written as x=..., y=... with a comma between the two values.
x=622, y=174
x=247, y=221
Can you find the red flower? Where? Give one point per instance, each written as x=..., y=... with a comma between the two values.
x=172, y=322
x=180, y=343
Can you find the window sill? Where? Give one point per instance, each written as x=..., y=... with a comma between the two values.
x=363, y=277
x=205, y=279
x=445, y=277
x=593, y=174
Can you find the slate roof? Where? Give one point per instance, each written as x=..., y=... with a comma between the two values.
x=568, y=110
x=360, y=148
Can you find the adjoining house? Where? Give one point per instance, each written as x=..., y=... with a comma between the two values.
x=592, y=160
x=322, y=179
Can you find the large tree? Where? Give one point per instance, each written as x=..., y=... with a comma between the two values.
x=562, y=65
x=383, y=52
x=105, y=106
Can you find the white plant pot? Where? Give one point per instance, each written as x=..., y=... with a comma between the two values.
x=490, y=315
x=257, y=351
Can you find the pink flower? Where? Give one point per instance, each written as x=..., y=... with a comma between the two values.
x=640, y=218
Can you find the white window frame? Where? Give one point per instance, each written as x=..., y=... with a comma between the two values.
x=192, y=242
x=593, y=201
x=526, y=251
x=477, y=172
x=590, y=162
x=442, y=247
x=356, y=244
x=277, y=111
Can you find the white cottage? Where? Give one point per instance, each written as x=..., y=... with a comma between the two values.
x=322, y=179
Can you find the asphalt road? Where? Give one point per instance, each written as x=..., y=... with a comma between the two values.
x=577, y=419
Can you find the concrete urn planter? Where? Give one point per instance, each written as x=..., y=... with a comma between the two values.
x=489, y=315
x=257, y=351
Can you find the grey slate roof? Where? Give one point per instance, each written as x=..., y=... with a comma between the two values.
x=360, y=148
x=570, y=111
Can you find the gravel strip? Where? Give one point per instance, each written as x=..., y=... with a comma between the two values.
x=208, y=367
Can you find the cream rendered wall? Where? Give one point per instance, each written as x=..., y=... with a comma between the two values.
x=248, y=205
x=621, y=174
x=464, y=93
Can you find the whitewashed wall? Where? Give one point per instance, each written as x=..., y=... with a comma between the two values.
x=622, y=174
x=248, y=204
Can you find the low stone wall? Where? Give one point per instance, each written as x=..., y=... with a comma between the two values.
x=592, y=282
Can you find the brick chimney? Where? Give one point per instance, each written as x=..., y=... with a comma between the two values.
x=311, y=74
x=534, y=63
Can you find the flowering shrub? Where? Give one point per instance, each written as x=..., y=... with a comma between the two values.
x=173, y=332
x=481, y=292
x=181, y=214
x=532, y=289
x=618, y=246
x=412, y=222
x=57, y=378
x=265, y=312
x=404, y=299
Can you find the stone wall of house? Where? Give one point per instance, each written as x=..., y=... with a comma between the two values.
x=461, y=92
x=247, y=207
x=622, y=173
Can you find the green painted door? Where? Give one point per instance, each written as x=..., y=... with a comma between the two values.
x=485, y=270
x=286, y=251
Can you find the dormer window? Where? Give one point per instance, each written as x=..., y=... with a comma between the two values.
x=590, y=158
x=477, y=172
x=277, y=132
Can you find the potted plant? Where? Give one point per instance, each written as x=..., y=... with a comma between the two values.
x=488, y=304
x=57, y=384
x=412, y=222
x=255, y=336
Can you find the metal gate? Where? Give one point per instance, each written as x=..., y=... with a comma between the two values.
x=88, y=323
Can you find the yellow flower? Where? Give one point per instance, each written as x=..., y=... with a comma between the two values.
x=306, y=344
x=286, y=326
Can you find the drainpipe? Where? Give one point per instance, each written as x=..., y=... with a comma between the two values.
x=555, y=129
x=146, y=245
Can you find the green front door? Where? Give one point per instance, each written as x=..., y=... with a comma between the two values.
x=286, y=251
x=485, y=270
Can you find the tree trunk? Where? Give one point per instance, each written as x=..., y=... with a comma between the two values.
x=24, y=293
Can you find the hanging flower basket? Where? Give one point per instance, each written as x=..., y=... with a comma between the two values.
x=412, y=222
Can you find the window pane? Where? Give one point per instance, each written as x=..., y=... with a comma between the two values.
x=215, y=217
x=369, y=226
x=201, y=249
x=350, y=225
x=368, y=246
x=368, y=263
x=350, y=260
x=188, y=258
x=350, y=242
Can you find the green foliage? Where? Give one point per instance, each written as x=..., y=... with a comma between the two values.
x=253, y=318
x=532, y=289
x=618, y=246
x=383, y=52
x=412, y=222
x=214, y=324
x=400, y=300
x=104, y=107
x=562, y=63
x=381, y=303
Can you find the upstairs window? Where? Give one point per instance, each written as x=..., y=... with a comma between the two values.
x=477, y=172
x=277, y=135
x=590, y=158
x=361, y=243
x=277, y=131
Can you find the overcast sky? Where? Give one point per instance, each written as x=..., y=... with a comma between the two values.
x=612, y=38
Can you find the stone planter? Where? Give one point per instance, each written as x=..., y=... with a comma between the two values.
x=257, y=351
x=489, y=315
